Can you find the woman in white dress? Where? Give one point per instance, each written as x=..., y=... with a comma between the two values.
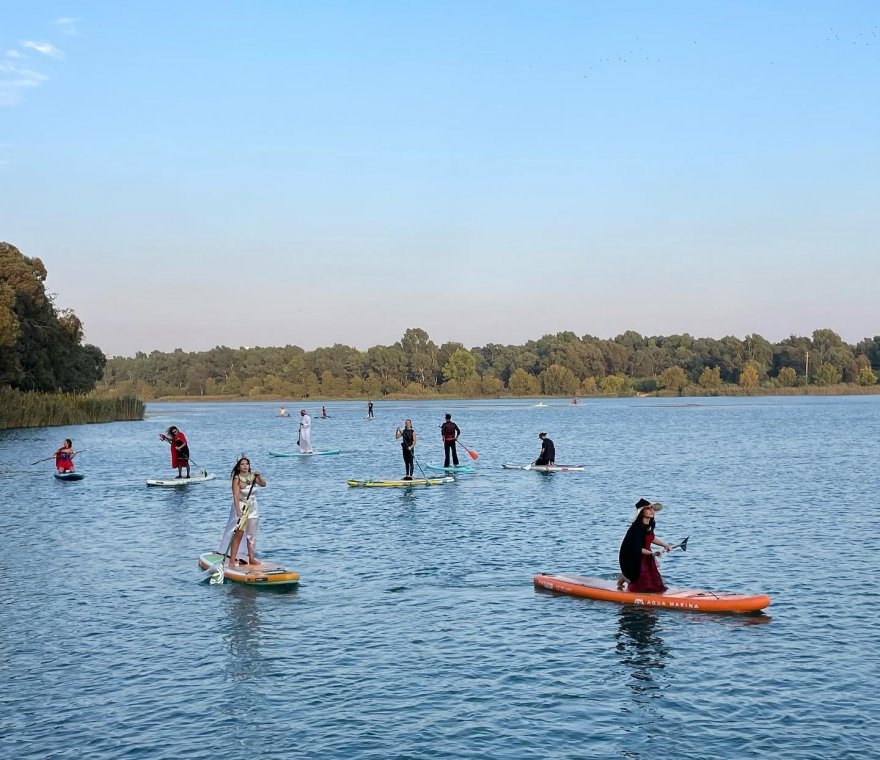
x=243, y=497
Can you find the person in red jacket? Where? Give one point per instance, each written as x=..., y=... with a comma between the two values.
x=179, y=450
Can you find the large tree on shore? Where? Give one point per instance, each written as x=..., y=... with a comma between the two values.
x=40, y=348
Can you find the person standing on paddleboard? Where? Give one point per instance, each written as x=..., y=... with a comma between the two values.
x=64, y=457
x=407, y=446
x=305, y=432
x=243, y=482
x=369, y=410
x=449, y=432
x=179, y=450
x=548, y=451
x=638, y=566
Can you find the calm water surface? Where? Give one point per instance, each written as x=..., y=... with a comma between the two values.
x=416, y=631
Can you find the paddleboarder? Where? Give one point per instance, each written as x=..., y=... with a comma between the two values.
x=369, y=410
x=64, y=457
x=638, y=566
x=324, y=414
x=305, y=432
x=243, y=482
x=179, y=449
x=548, y=451
x=449, y=432
x=407, y=446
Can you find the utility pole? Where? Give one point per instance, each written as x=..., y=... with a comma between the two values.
x=807, y=373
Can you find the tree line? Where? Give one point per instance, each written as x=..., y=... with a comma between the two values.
x=555, y=365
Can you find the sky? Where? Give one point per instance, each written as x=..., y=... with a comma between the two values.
x=269, y=173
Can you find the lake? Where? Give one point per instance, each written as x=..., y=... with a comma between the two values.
x=416, y=631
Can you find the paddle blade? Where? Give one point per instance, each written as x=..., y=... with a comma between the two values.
x=684, y=544
x=472, y=454
x=218, y=577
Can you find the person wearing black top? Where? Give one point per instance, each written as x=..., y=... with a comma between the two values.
x=548, y=451
x=449, y=432
x=407, y=446
x=370, y=410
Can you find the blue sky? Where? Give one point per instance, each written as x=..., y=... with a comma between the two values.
x=264, y=173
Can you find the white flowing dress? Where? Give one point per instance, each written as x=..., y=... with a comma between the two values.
x=252, y=523
x=305, y=434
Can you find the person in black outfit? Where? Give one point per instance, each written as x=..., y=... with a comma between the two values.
x=548, y=451
x=407, y=446
x=449, y=432
x=370, y=410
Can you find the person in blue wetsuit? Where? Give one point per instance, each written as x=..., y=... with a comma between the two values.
x=548, y=451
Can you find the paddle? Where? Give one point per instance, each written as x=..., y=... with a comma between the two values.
x=53, y=456
x=473, y=454
x=217, y=571
x=681, y=545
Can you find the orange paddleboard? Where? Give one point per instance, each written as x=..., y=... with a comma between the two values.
x=261, y=574
x=692, y=599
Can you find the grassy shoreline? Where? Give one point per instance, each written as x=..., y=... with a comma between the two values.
x=28, y=409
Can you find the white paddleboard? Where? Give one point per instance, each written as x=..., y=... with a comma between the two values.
x=202, y=477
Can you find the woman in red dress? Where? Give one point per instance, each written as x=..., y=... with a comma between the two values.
x=64, y=457
x=638, y=565
x=179, y=450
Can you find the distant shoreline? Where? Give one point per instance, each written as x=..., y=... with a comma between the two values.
x=735, y=391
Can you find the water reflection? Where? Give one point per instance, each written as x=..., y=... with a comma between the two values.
x=245, y=631
x=641, y=649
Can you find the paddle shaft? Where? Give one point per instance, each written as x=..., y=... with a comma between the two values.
x=53, y=456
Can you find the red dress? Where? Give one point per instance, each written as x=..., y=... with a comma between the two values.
x=63, y=462
x=649, y=579
x=179, y=457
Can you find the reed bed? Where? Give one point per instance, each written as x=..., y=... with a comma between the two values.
x=19, y=409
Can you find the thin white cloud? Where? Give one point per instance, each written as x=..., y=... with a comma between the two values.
x=67, y=24
x=46, y=48
x=13, y=54
x=14, y=79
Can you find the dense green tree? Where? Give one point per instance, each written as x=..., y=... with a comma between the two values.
x=558, y=380
x=673, y=379
x=710, y=378
x=787, y=377
x=40, y=347
x=826, y=374
x=460, y=367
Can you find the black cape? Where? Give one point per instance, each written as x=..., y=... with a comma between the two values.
x=630, y=555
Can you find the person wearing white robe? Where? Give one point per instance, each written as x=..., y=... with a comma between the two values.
x=305, y=433
x=243, y=483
